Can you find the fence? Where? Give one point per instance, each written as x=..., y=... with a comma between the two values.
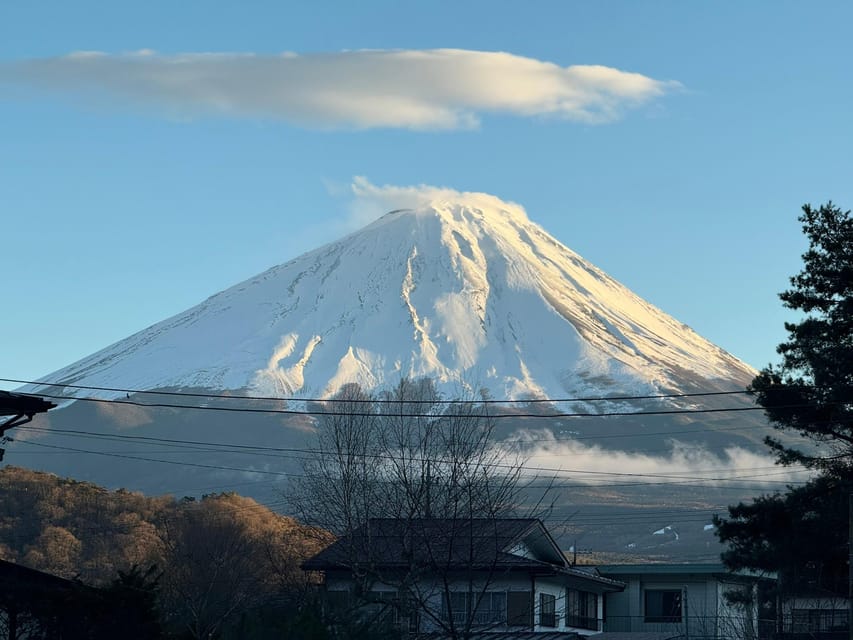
x=822, y=624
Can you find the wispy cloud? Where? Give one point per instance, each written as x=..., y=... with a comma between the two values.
x=369, y=201
x=412, y=89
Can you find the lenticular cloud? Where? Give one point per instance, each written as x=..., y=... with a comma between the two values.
x=412, y=89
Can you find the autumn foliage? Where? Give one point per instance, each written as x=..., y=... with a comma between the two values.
x=219, y=560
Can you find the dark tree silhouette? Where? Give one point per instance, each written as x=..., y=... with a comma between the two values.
x=803, y=533
x=811, y=391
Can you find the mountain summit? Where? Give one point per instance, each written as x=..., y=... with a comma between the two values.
x=465, y=290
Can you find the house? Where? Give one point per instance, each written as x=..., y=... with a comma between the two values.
x=33, y=602
x=814, y=614
x=37, y=605
x=500, y=577
x=684, y=600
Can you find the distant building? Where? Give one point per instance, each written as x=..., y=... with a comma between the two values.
x=682, y=601
x=814, y=615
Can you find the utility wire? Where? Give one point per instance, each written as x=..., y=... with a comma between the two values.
x=228, y=447
x=577, y=518
x=671, y=480
x=504, y=443
x=369, y=414
x=380, y=400
x=379, y=456
x=145, y=459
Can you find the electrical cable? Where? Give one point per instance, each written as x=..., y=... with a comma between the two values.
x=672, y=480
x=379, y=400
x=366, y=414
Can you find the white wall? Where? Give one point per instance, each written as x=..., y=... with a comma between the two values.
x=704, y=607
x=556, y=589
x=433, y=594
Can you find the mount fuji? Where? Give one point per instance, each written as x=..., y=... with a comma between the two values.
x=465, y=290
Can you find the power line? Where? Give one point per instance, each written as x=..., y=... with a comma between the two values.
x=579, y=519
x=381, y=456
x=175, y=462
x=688, y=483
x=520, y=442
x=504, y=443
x=369, y=414
x=379, y=400
x=672, y=479
x=227, y=447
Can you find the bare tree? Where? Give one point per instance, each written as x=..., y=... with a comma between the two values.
x=340, y=485
x=408, y=470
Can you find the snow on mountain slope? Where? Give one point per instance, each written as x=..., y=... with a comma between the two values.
x=466, y=290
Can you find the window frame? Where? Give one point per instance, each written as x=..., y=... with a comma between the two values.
x=676, y=614
x=547, y=610
x=486, y=613
x=582, y=610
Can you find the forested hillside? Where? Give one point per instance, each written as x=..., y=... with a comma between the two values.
x=219, y=559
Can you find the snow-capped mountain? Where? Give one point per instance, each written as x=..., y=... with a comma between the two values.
x=467, y=291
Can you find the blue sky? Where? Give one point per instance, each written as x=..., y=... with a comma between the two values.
x=125, y=200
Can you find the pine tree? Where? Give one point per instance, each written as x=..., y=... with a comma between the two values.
x=802, y=534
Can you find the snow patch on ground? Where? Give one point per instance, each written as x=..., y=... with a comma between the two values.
x=668, y=530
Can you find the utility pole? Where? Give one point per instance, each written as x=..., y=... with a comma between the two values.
x=428, y=510
x=850, y=563
x=21, y=408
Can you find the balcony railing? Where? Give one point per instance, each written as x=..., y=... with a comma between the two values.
x=694, y=627
x=481, y=617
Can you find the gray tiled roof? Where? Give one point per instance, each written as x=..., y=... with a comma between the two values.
x=442, y=545
x=512, y=635
x=636, y=635
x=433, y=542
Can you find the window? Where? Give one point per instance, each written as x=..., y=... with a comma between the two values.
x=491, y=609
x=337, y=600
x=519, y=609
x=663, y=605
x=378, y=608
x=547, y=610
x=581, y=609
x=406, y=613
x=455, y=607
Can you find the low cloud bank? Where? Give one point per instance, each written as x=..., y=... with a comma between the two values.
x=678, y=463
x=410, y=89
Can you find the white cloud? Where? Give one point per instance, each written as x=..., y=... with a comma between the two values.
x=370, y=201
x=682, y=463
x=427, y=89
